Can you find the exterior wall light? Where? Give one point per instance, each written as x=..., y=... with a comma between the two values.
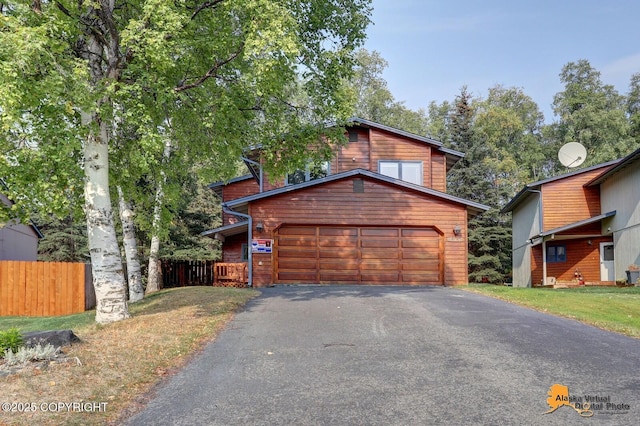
x=457, y=230
x=259, y=227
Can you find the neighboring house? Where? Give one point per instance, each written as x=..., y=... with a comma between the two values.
x=580, y=226
x=377, y=213
x=18, y=241
x=620, y=191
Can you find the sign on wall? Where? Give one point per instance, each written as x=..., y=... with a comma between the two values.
x=261, y=245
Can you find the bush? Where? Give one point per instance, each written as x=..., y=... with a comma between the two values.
x=10, y=339
x=36, y=353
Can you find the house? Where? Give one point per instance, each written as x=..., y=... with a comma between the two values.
x=18, y=241
x=580, y=227
x=620, y=192
x=376, y=213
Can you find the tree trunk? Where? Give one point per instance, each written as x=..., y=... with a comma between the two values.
x=106, y=264
x=153, y=280
x=134, y=275
x=103, y=61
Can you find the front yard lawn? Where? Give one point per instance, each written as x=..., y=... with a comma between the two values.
x=610, y=308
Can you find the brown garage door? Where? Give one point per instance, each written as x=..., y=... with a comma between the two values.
x=358, y=255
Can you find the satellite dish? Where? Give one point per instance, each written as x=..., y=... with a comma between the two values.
x=572, y=154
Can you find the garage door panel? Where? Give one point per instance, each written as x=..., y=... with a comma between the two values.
x=379, y=232
x=421, y=266
x=420, y=233
x=424, y=278
x=419, y=254
x=346, y=232
x=297, y=263
x=391, y=243
x=298, y=276
x=302, y=241
x=422, y=243
x=297, y=230
x=342, y=253
x=289, y=252
x=366, y=255
x=387, y=278
x=338, y=242
x=339, y=264
x=339, y=277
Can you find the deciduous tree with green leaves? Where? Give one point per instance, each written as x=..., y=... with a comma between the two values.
x=211, y=77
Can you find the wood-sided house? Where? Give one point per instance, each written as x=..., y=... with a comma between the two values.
x=580, y=227
x=377, y=213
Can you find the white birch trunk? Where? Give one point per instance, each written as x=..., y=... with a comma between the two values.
x=103, y=60
x=134, y=275
x=153, y=281
x=106, y=264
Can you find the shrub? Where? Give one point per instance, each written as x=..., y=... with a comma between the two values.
x=36, y=353
x=10, y=339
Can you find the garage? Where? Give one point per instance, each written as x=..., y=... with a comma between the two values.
x=358, y=255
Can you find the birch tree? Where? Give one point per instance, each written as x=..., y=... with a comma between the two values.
x=224, y=72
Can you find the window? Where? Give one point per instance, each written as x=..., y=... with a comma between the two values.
x=556, y=254
x=409, y=171
x=245, y=252
x=353, y=135
x=311, y=172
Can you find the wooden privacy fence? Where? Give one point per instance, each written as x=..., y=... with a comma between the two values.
x=181, y=273
x=45, y=288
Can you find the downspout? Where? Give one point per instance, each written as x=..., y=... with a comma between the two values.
x=544, y=241
x=249, y=237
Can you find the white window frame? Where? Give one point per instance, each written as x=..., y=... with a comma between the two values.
x=400, y=163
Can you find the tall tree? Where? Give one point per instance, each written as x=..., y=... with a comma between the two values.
x=474, y=178
x=220, y=71
x=374, y=100
x=591, y=113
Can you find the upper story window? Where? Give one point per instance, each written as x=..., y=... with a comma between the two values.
x=311, y=172
x=409, y=171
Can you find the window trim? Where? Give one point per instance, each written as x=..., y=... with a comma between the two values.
x=555, y=258
x=400, y=163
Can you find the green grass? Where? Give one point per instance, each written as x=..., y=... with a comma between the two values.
x=610, y=308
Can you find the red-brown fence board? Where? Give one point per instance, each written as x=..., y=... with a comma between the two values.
x=42, y=288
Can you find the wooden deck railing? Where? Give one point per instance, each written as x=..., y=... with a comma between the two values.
x=230, y=274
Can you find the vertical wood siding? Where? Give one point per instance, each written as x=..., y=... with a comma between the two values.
x=41, y=288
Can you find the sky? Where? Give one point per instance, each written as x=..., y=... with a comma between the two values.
x=434, y=47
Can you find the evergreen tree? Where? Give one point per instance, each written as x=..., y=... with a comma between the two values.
x=473, y=178
x=65, y=240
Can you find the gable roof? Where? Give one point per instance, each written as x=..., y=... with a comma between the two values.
x=451, y=155
x=473, y=207
x=622, y=164
x=535, y=186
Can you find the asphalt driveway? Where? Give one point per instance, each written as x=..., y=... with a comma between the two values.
x=315, y=355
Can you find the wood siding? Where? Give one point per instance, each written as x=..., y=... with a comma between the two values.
x=354, y=155
x=566, y=201
x=580, y=256
x=43, y=288
x=380, y=204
